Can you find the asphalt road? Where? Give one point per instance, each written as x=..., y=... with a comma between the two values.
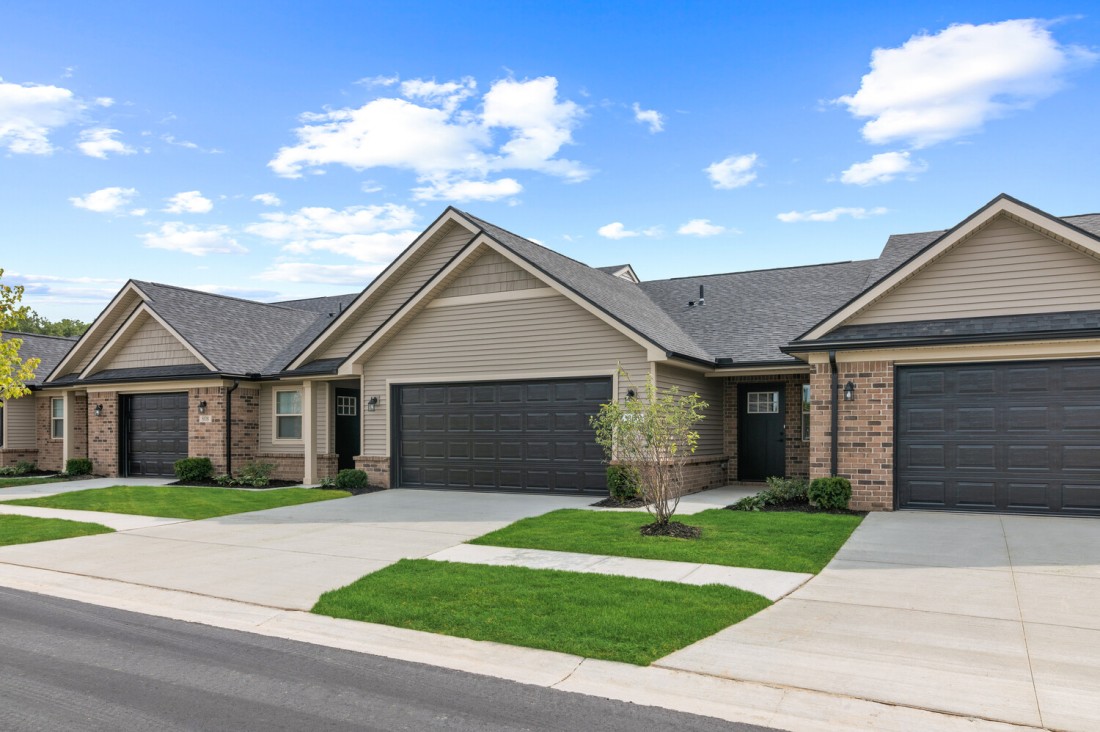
x=70, y=666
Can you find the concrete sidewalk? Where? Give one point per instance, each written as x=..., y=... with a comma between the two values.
x=116, y=521
x=38, y=490
x=769, y=583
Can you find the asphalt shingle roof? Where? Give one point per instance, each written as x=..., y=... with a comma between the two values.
x=990, y=325
x=50, y=349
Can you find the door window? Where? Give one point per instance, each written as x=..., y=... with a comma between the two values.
x=762, y=402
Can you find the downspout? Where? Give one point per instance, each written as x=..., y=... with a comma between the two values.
x=835, y=416
x=229, y=427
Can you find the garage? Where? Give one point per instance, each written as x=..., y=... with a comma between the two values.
x=502, y=436
x=1019, y=437
x=154, y=433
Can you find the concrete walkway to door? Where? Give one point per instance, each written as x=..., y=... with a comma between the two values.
x=986, y=616
x=286, y=557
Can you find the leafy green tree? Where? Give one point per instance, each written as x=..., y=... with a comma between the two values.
x=652, y=435
x=32, y=322
x=15, y=372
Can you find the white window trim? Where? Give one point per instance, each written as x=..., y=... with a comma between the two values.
x=275, y=417
x=54, y=419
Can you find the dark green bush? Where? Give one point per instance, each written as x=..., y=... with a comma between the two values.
x=779, y=490
x=830, y=493
x=29, y=466
x=255, y=474
x=193, y=469
x=78, y=466
x=350, y=478
x=622, y=483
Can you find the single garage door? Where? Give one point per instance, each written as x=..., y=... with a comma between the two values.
x=155, y=432
x=1020, y=437
x=513, y=436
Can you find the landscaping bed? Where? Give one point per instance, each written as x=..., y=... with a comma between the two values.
x=596, y=616
x=28, y=529
x=20, y=480
x=786, y=541
x=181, y=502
x=801, y=507
x=612, y=502
x=210, y=483
x=352, y=491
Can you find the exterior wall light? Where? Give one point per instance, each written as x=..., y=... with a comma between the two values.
x=849, y=391
x=202, y=406
x=372, y=403
x=99, y=410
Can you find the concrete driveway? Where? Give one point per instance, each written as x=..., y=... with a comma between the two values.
x=286, y=557
x=996, y=617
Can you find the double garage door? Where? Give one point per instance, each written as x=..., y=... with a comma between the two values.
x=154, y=433
x=513, y=436
x=1019, y=437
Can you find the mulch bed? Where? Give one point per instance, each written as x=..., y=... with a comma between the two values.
x=215, y=484
x=610, y=502
x=674, y=529
x=353, y=491
x=802, y=507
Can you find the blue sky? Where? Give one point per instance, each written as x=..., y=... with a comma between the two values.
x=275, y=150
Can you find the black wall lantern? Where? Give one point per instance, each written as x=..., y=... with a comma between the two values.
x=202, y=407
x=99, y=410
x=849, y=391
x=372, y=403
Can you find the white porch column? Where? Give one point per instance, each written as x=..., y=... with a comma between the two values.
x=68, y=442
x=309, y=434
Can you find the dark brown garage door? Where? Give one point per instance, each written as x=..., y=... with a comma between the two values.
x=513, y=436
x=155, y=432
x=1021, y=437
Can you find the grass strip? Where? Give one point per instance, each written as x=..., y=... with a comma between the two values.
x=28, y=529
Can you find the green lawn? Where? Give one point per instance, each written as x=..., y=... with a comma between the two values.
x=15, y=482
x=27, y=529
x=181, y=502
x=787, y=541
x=596, y=616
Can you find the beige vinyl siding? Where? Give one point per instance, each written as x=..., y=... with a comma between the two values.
x=434, y=255
x=536, y=338
x=147, y=344
x=107, y=330
x=492, y=273
x=19, y=424
x=268, y=443
x=1003, y=268
x=710, y=429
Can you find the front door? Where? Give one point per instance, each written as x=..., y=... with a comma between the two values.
x=347, y=427
x=761, y=432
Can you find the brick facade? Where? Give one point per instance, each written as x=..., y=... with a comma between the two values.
x=13, y=455
x=796, y=449
x=865, y=443
x=103, y=432
x=376, y=468
x=49, y=448
x=702, y=472
x=289, y=466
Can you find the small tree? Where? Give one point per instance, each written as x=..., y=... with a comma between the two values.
x=15, y=372
x=653, y=435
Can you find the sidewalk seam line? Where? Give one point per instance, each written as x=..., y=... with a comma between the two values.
x=1023, y=625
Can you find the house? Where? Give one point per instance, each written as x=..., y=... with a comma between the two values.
x=958, y=370
x=25, y=423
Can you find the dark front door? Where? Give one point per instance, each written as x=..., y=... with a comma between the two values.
x=155, y=433
x=347, y=427
x=761, y=448
x=513, y=436
x=1021, y=437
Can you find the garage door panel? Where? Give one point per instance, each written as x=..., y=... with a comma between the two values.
x=155, y=433
x=1014, y=437
x=522, y=436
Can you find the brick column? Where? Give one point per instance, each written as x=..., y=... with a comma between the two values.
x=103, y=433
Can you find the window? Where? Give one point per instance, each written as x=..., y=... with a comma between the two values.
x=288, y=415
x=57, y=418
x=345, y=406
x=805, y=411
x=763, y=402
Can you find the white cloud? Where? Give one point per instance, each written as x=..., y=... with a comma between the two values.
x=439, y=132
x=267, y=199
x=105, y=200
x=139, y=211
x=651, y=117
x=373, y=234
x=379, y=80
x=832, y=214
x=54, y=289
x=100, y=141
x=189, y=202
x=616, y=230
x=104, y=102
x=30, y=112
x=468, y=190
x=325, y=274
x=173, y=140
x=938, y=87
x=180, y=237
x=701, y=227
x=733, y=172
x=882, y=168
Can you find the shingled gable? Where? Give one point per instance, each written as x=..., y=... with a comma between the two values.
x=907, y=254
x=49, y=350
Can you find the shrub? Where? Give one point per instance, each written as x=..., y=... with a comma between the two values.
x=78, y=466
x=224, y=479
x=622, y=483
x=779, y=490
x=255, y=474
x=329, y=481
x=29, y=466
x=350, y=478
x=193, y=469
x=830, y=493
